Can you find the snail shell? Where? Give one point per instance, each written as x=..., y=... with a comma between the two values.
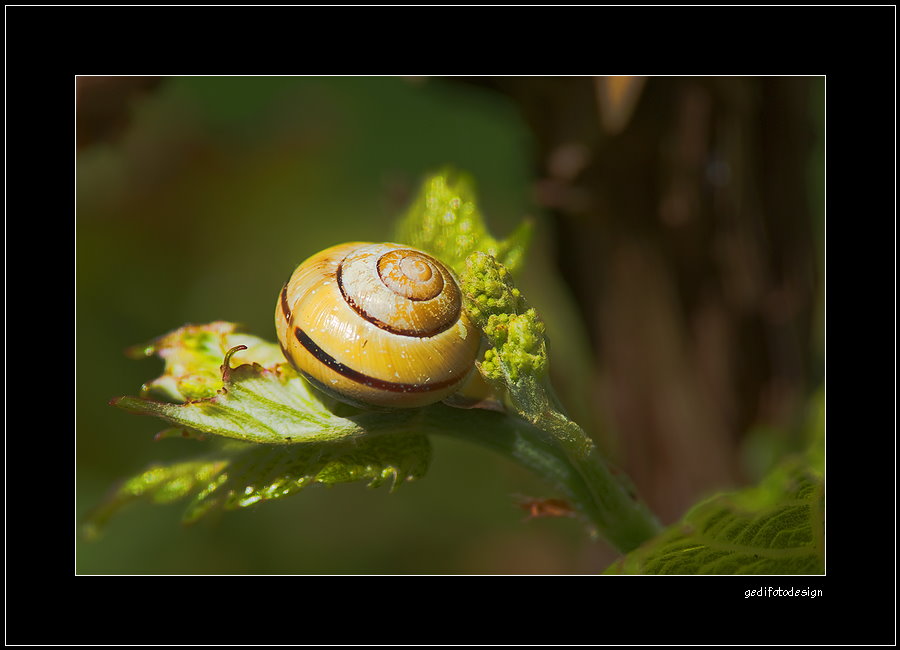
x=377, y=324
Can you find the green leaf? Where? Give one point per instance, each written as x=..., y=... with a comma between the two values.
x=240, y=475
x=269, y=404
x=445, y=220
x=193, y=358
x=255, y=404
x=775, y=528
x=272, y=432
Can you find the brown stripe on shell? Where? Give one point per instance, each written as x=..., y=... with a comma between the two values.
x=360, y=378
x=385, y=326
x=285, y=309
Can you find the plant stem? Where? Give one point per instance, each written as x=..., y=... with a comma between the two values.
x=599, y=495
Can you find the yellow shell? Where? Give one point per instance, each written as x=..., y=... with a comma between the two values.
x=377, y=324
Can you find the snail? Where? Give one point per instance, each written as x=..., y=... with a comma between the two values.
x=377, y=325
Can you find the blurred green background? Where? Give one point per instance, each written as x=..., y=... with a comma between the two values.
x=655, y=263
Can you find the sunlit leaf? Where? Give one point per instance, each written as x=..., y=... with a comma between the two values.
x=262, y=400
x=193, y=358
x=445, y=220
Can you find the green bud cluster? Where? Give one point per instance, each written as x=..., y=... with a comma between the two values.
x=513, y=329
x=519, y=346
x=489, y=288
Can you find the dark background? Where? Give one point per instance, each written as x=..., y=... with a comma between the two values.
x=677, y=261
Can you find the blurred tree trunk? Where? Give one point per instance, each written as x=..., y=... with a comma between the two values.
x=686, y=233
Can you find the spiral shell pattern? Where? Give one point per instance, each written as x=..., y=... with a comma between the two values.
x=377, y=325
